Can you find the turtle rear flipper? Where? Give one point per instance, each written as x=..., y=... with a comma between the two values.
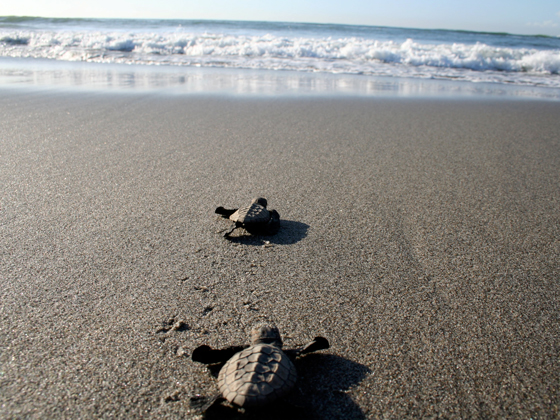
x=231, y=229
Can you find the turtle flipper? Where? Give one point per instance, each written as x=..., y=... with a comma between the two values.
x=201, y=403
x=274, y=222
x=269, y=228
x=230, y=230
x=318, y=343
x=209, y=356
x=225, y=212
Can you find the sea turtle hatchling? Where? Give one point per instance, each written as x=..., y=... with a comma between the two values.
x=254, y=218
x=257, y=374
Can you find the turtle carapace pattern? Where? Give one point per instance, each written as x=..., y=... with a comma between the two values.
x=257, y=374
x=254, y=218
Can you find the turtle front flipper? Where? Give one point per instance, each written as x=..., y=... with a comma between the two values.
x=318, y=343
x=209, y=356
x=201, y=403
x=274, y=223
x=225, y=212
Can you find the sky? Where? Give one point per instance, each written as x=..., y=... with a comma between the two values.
x=513, y=16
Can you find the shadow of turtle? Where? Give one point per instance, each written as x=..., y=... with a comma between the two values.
x=290, y=232
x=321, y=392
x=277, y=410
x=323, y=384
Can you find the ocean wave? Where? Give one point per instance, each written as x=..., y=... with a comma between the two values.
x=326, y=54
x=8, y=40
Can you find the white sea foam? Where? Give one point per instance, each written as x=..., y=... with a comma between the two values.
x=477, y=62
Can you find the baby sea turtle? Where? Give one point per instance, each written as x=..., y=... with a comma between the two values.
x=255, y=218
x=257, y=374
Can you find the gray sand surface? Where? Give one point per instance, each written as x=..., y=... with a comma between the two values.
x=421, y=237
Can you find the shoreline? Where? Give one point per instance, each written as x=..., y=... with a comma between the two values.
x=421, y=237
x=30, y=73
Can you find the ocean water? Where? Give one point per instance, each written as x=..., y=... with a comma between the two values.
x=175, y=51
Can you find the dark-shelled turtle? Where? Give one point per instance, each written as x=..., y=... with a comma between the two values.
x=254, y=218
x=255, y=374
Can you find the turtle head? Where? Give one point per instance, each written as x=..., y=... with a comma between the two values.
x=266, y=334
x=261, y=201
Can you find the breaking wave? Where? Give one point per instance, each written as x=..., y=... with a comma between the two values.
x=477, y=61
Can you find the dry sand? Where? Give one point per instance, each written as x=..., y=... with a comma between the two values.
x=421, y=237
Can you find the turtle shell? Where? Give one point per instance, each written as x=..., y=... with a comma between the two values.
x=252, y=214
x=257, y=375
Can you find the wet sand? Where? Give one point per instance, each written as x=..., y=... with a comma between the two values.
x=421, y=237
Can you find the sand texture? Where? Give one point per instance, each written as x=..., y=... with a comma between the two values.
x=422, y=238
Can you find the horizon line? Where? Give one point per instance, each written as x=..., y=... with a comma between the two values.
x=282, y=22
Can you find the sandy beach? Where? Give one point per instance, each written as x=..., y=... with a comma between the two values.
x=421, y=237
